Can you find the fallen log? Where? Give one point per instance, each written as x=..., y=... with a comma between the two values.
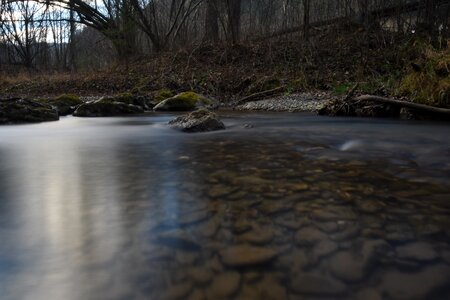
x=255, y=96
x=415, y=106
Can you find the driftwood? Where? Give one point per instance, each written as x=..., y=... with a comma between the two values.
x=260, y=94
x=418, y=107
x=9, y=99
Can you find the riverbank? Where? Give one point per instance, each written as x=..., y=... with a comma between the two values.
x=381, y=63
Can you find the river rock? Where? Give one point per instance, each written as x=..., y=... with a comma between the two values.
x=197, y=121
x=179, y=291
x=354, y=266
x=257, y=236
x=309, y=236
x=220, y=190
x=273, y=207
x=200, y=275
x=197, y=295
x=334, y=213
x=245, y=255
x=421, y=285
x=368, y=294
x=324, y=248
x=184, y=102
x=224, y=285
x=65, y=104
x=106, y=107
x=295, y=261
x=16, y=111
x=419, y=251
x=318, y=285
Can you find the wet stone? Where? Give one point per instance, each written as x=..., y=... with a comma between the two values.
x=296, y=260
x=349, y=267
x=348, y=233
x=324, y=248
x=319, y=285
x=270, y=289
x=334, y=213
x=370, y=207
x=354, y=266
x=419, y=251
x=258, y=236
x=399, y=233
x=252, y=276
x=221, y=190
x=272, y=208
x=186, y=258
x=368, y=294
x=197, y=295
x=242, y=226
x=179, y=291
x=420, y=285
x=309, y=236
x=245, y=255
x=292, y=222
x=328, y=227
x=200, y=276
x=224, y=285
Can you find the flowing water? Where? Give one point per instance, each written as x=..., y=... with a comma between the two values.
x=292, y=206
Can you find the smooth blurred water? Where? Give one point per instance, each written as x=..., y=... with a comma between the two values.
x=86, y=204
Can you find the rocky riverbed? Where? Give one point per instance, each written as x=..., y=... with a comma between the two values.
x=299, y=102
x=294, y=207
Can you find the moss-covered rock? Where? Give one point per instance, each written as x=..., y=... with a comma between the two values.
x=25, y=111
x=128, y=98
x=65, y=104
x=184, y=102
x=197, y=121
x=162, y=94
x=106, y=107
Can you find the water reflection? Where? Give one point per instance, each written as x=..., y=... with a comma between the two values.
x=104, y=209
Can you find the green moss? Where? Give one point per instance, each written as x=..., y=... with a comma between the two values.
x=126, y=98
x=68, y=99
x=162, y=94
x=342, y=89
x=192, y=98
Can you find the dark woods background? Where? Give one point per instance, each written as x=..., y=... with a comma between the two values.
x=69, y=35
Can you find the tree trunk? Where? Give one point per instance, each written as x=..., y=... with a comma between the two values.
x=234, y=20
x=211, y=22
x=306, y=9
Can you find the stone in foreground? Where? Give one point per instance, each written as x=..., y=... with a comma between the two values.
x=184, y=102
x=244, y=255
x=104, y=107
x=313, y=284
x=198, y=121
x=16, y=111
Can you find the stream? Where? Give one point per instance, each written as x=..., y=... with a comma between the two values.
x=278, y=206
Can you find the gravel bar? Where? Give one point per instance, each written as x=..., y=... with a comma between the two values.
x=290, y=103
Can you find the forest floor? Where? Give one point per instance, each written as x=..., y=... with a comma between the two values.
x=330, y=63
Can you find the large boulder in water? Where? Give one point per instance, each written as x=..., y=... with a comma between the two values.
x=142, y=101
x=198, y=121
x=107, y=107
x=184, y=102
x=16, y=111
x=65, y=104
